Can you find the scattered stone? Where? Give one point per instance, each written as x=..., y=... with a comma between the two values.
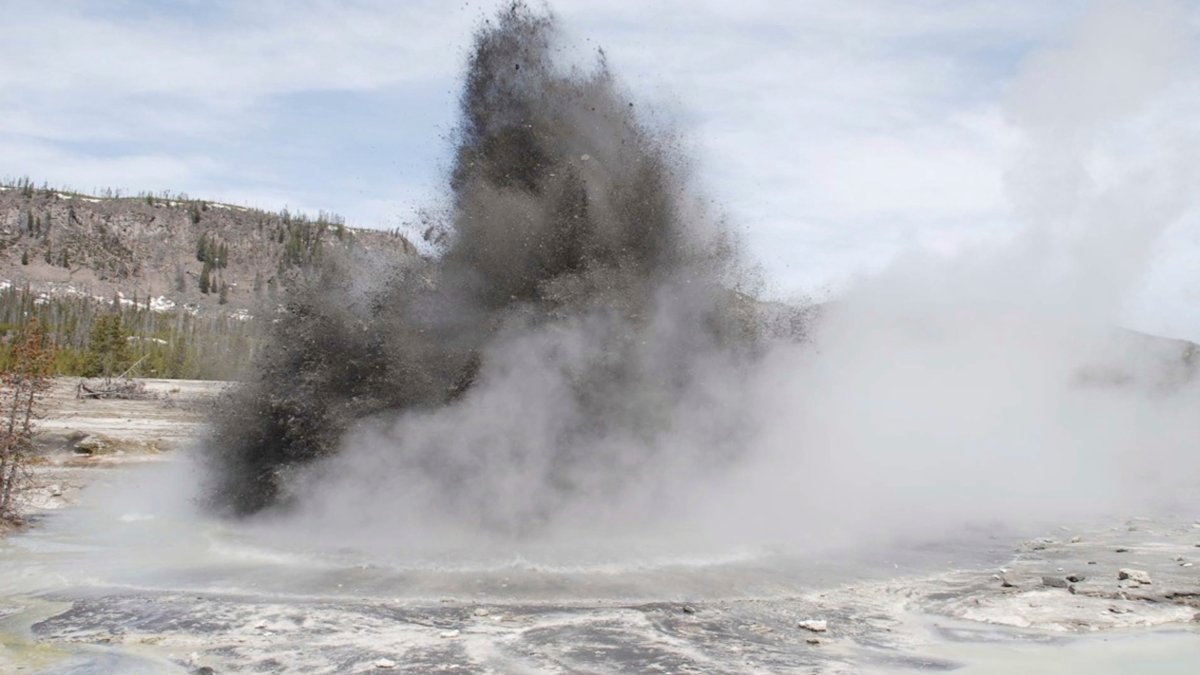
x=1005, y=583
x=481, y=611
x=385, y=664
x=815, y=625
x=817, y=641
x=1076, y=578
x=1121, y=549
x=1091, y=562
x=204, y=670
x=1054, y=582
x=688, y=609
x=1076, y=539
x=1188, y=564
x=1196, y=617
x=55, y=490
x=450, y=633
x=1139, y=576
x=1119, y=610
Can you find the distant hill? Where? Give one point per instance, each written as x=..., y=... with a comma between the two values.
x=167, y=285
x=176, y=250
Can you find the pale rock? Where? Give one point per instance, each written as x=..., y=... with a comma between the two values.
x=1139, y=576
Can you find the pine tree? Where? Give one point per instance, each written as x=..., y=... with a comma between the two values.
x=202, y=248
x=25, y=257
x=178, y=366
x=179, y=280
x=108, y=347
x=206, y=277
x=26, y=377
x=224, y=298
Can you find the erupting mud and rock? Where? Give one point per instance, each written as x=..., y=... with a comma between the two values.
x=577, y=282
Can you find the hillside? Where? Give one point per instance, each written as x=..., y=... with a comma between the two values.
x=166, y=285
x=63, y=243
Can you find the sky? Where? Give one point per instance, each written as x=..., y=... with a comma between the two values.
x=837, y=136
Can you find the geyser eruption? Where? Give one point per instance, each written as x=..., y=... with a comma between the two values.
x=578, y=362
x=580, y=304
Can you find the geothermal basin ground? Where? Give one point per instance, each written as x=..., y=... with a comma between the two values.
x=113, y=575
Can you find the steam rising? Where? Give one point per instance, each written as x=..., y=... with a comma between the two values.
x=579, y=361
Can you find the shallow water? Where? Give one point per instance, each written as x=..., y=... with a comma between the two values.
x=1163, y=652
x=134, y=581
x=131, y=532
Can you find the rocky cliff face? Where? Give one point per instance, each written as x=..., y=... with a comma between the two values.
x=177, y=251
